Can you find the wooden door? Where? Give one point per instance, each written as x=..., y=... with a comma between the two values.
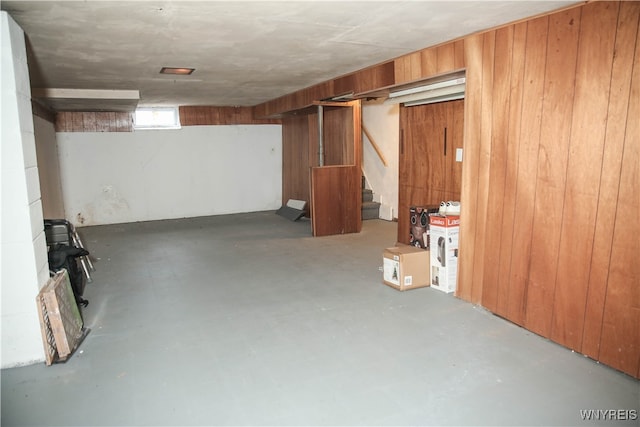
x=336, y=196
x=429, y=173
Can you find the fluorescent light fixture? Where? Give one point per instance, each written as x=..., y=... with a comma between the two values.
x=426, y=88
x=447, y=90
x=177, y=70
x=434, y=100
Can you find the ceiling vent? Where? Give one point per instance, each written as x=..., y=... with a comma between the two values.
x=443, y=90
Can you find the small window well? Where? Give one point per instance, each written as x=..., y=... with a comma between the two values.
x=156, y=118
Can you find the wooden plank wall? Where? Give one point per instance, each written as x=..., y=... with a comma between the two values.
x=72, y=121
x=429, y=62
x=295, y=159
x=365, y=80
x=300, y=148
x=210, y=115
x=550, y=181
x=619, y=346
x=594, y=55
x=338, y=136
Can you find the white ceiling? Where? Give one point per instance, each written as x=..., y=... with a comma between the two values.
x=244, y=52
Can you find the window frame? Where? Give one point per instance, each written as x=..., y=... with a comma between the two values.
x=159, y=124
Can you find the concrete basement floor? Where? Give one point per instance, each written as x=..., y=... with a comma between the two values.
x=248, y=320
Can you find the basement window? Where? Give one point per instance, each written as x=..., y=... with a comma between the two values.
x=156, y=118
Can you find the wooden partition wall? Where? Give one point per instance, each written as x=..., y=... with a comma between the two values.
x=297, y=158
x=336, y=199
x=333, y=189
x=550, y=201
x=300, y=148
x=551, y=174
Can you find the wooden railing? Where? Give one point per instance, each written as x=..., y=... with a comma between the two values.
x=374, y=145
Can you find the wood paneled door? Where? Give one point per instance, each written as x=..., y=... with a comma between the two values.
x=336, y=196
x=429, y=173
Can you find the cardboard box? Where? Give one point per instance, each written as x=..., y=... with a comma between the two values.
x=405, y=267
x=445, y=231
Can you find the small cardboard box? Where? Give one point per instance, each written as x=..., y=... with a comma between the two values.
x=405, y=267
x=444, y=252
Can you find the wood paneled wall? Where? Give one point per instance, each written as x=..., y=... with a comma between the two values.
x=294, y=101
x=429, y=62
x=209, y=115
x=189, y=116
x=550, y=197
x=93, y=122
x=300, y=148
x=615, y=303
x=419, y=65
x=550, y=183
x=365, y=80
x=338, y=136
x=296, y=158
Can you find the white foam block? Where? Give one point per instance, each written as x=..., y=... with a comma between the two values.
x=296, y=204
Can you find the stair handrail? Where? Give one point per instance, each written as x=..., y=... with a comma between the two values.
x=374, y=145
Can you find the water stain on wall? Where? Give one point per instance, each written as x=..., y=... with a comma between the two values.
x=109, y=206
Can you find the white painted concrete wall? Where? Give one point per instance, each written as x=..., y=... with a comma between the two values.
x=383, y=123
x=48, y=168
x=24, y=266
x=160, y=174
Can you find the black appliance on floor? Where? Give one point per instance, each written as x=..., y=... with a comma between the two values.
x=65, y=251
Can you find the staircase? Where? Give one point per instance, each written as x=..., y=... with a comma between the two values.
x=370, y=209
